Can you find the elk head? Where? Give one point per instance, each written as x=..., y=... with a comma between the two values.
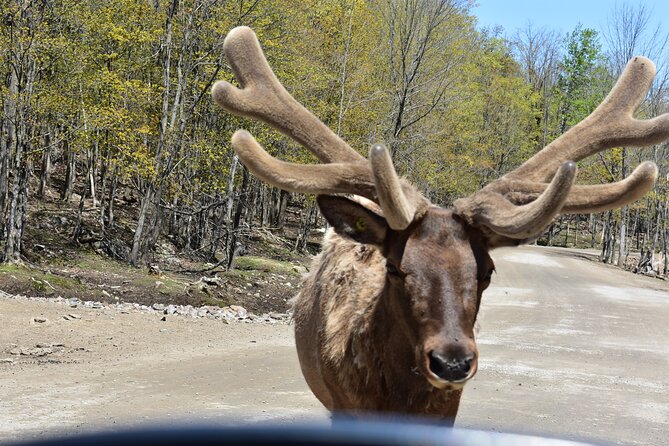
x=436, y=259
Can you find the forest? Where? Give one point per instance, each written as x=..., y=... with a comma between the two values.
x=106, y=110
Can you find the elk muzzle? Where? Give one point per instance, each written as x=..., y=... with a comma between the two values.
x=451, y=364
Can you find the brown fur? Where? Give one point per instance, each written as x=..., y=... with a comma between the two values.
x=361, y=345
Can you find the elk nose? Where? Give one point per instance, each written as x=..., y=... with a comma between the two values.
x=454, y=369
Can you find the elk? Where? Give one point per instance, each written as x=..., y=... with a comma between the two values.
x=384, y=322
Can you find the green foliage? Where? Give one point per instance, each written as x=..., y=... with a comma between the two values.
x=579, y=85
x=125, y=86
x=489, y=127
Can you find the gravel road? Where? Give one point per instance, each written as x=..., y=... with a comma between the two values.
x=569, y=348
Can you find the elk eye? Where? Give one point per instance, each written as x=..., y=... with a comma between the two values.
x=392, y=269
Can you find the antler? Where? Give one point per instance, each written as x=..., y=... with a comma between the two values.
x=262, y=97
x=521, y=204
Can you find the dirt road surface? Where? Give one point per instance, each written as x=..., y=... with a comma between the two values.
x=569, y=348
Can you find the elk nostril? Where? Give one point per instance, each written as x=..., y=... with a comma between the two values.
x=437, y=364
x=450, y=369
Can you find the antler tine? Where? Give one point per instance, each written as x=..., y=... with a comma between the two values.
x=602, y=197
x=376, y=179
x=489, y=208
x=610, y=125
x=399, y=212
x=262, y=97
x=333, y=178
x=593, y=198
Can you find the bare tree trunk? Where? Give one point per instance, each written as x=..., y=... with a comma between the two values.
x=252, y=202
x=231, y=187
x=624, y=212
x=265, y=204
x=82, y=201
x=635, y=227
x=665, y=246
x=70, y=172
x=217, y=232
x=6, y=143
x=92, y=163
x=17, y=142
x=344, y=68
x=279, y=205
x=593, y=230
x=608, y=239
x=80, y=213
x=4, y=174
x=232, y=238
x=104, y=182
x=229, y=239
x=622, y=247
x=91, y=152
x=152, y=192
x=16, y=215
x=45, y=166
x=656, y=239
x=110, y=201
x=552, y=231
x=136, y=253
x=306, y=225
x=665, y=235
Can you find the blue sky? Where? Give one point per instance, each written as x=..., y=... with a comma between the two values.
x=561, y=15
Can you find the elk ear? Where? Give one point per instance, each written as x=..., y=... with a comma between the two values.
x=351, y=219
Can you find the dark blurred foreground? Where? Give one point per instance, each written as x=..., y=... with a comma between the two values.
x=342, y=432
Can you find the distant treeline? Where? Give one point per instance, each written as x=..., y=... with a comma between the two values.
x=101, y=96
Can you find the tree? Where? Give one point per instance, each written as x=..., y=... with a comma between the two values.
x=577, y=85
x=427, y=44
x=538, y=53
x=22, y=37
x=184, y=85
x=490, y=128
x=629, y=32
